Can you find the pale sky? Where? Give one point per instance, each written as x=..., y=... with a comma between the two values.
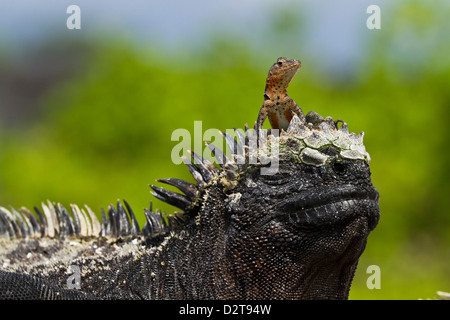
x=335, y=29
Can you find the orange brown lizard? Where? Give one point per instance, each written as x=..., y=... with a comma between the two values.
x=278, y=106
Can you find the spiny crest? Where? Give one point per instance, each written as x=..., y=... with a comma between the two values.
x=54, y=221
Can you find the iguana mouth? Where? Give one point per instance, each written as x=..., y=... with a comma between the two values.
x=329, y=208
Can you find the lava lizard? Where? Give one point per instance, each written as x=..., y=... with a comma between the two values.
x=278, y=106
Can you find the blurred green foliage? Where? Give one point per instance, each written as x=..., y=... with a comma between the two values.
x=105, y=134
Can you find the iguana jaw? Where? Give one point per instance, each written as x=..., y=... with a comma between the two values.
x=328, y=209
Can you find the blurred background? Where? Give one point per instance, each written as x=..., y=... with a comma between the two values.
x=86, y=116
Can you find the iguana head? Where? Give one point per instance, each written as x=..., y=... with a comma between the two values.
x=297, y=229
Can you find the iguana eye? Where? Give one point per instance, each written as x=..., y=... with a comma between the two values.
x=339, y=167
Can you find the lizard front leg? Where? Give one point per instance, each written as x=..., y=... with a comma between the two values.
x=262, y=115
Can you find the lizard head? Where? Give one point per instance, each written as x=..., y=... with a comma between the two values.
x=281, y=74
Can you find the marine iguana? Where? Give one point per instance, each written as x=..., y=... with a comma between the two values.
x=295, y=234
